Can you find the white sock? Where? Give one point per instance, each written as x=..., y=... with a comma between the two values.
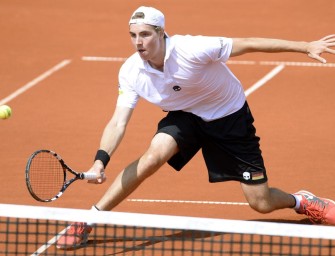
x=297, y=202
x=94, y=208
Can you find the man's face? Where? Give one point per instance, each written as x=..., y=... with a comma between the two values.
x=146, y=40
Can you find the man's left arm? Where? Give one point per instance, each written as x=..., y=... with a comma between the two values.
x=314, y=49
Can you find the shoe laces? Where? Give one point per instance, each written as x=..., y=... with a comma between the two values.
x=77, y=228
x=315, y=210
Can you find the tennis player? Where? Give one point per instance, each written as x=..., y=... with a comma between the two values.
x=187, y=77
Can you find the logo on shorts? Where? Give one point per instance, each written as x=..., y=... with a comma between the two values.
x=257, y=175
x=246, y=175
x=176, y=88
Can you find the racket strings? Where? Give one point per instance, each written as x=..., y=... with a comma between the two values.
x=47, y=175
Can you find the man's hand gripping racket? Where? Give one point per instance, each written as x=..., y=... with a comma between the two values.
x=47, y=175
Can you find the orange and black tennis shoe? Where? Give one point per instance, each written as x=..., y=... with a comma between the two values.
x=75, y=236
x=318, y=210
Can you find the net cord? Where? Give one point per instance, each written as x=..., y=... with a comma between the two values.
x=168, y=221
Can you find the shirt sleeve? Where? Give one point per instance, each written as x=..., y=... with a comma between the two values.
x=207, y=48
x=128, y=97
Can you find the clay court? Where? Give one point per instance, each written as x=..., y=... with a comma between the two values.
x=58, y=71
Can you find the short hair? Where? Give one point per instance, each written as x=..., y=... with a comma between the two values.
x=138, y=15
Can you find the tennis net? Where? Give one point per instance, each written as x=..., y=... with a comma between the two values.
x=33, y=230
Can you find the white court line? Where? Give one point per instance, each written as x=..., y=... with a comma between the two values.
x=121, y=59
x=185, y=202
x=92, y=58
x=233, y=62
x=53, y=240
x=265, y=79
x=241, y=62
x=35, y=81
x=297, y=64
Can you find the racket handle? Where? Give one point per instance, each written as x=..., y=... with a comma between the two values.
x=89, y=175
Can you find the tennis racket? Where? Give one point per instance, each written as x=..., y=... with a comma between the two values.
x=47, y=175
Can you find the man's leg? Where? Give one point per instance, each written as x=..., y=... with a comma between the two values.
x=162, y=148
x=264, y=199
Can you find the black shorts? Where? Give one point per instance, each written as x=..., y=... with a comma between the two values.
x=229, y=145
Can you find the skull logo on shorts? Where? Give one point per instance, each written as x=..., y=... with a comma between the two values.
x=246, y=175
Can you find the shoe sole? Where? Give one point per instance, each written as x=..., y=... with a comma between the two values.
x=74, y=246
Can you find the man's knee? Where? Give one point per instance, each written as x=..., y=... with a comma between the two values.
x=261, y=205
x=161, y=149
x=151, y=161
x=258, y=197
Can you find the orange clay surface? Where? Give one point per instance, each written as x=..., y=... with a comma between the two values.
x=67, y=110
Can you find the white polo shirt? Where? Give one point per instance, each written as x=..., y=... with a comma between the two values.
x=195, y=78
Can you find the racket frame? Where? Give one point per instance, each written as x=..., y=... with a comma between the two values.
x=66, y=168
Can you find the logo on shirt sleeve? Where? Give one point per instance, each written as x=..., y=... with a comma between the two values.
x=221, y=48
x=120, y=90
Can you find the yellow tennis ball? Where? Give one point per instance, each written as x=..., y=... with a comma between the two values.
x=5, y=112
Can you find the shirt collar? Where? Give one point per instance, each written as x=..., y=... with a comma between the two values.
x=168, y=49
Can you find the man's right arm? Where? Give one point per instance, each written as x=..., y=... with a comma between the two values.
x=111, y=137
x=115, y=129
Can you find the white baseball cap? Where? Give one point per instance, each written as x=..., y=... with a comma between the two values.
x=151, y=16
